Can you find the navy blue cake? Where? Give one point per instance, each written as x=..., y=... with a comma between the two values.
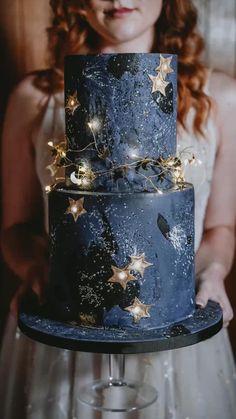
x=122, y=225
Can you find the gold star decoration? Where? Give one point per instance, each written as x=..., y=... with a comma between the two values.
x=87, y=319
x=138, y=310
x=59, y=152
x=121, y=276
x=138, y=263
x=164, y=66
x=76, y=208
x=72, y=103
x=159, y=84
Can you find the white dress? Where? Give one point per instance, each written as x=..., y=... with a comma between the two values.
x=196, y=382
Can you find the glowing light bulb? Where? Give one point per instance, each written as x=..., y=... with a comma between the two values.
x=137, y=310
x=94, y=124
x=136, y=265
x=132, y=153
x=165, y=67
x=48, y=188
x=122, y=275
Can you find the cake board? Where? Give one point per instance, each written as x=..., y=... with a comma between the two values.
x=204, y=323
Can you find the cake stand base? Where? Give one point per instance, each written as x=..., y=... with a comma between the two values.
x=117, y=396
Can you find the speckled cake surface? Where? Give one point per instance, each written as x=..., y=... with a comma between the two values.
x=118, y=105
x=146, y=238
x=121, y=226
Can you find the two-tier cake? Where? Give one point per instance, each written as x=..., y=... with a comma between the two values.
x=122, y=224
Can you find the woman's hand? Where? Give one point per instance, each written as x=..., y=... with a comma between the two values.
x=215, y=255
x=35, y=281
x=210, y=285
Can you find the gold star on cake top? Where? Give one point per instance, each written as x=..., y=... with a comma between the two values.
x=121, y=276
x=159, y=84
x=138, y=263
x=76, y=208
x=138, y=310
x=72, y=103
x=164, y=66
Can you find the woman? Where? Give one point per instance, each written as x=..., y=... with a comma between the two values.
x=196, y=382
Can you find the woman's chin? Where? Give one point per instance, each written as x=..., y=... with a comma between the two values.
x=122, y=34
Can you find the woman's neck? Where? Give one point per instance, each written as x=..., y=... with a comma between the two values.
x=143, y=43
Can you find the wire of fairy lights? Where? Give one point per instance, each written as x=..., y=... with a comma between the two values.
x=84, y=176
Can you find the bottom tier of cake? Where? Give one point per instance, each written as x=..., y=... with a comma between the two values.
x=121, y=260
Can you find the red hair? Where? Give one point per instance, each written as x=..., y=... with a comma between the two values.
x=175, y=34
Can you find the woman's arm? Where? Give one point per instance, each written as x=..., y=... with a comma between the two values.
x=24, y=241
x=215, y=255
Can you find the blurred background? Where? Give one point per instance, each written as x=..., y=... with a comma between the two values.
x=23, y=47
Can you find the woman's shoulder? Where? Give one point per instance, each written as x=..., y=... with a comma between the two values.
x=30, y=94
x=222, y=89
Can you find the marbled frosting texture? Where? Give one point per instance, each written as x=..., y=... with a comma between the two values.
x=119, y=107
x=121, y=249
x=95, y=237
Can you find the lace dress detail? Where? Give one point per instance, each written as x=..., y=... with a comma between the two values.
x=196, y=382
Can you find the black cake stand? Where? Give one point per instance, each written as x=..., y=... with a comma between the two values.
x=118, y=394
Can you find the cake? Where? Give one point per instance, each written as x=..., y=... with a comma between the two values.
x=121, y=228
x=121, y=225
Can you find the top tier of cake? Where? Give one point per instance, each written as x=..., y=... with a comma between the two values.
x=120, y=120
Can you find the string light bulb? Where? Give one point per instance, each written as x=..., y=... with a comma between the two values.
x=48, y=188
x=72, y=103
x=59, y=150
x=94, y=124
x=132, y=153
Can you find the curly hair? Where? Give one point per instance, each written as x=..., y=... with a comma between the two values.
x=175, y=33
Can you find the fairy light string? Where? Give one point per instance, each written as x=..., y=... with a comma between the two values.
x=170, y=168
x=83, y=176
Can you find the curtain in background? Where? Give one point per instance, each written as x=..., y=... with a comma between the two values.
x=23, y=36
x=23, y=43
x=218, y=26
